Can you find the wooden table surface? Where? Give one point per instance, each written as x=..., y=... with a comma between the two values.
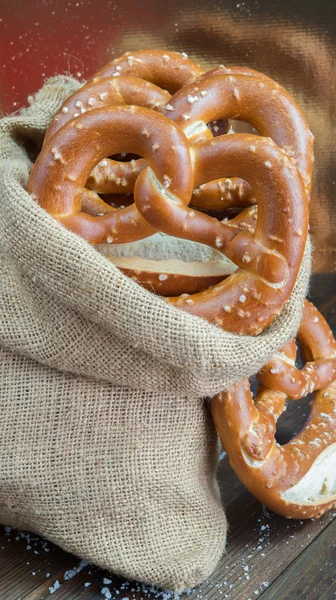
x=268, y=557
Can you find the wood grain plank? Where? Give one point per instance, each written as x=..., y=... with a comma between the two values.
x=312, y=576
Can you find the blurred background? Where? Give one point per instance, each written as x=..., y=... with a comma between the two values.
x=292, y=41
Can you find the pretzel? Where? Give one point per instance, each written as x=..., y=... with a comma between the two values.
x=60, y=172
x=232, y=92
x=168, y=70
x=110, y=176
x=135, y=87
x=251, y=97
x=268, y=259
x=298, y=479
x=169, y=266
x=109, y=91
x=223, y=194
x=94, y=205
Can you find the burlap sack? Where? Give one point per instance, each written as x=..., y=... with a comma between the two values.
x=107, y=447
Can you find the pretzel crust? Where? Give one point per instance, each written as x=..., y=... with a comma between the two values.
x=110, y=91
x=140, y=72
x=268, y=259
x=222, y=194
x=59, y=174
x=168, y=70
x=296, y=480
x=246, y=95
x=225, y=93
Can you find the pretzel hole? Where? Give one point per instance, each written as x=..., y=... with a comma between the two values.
x=228, y=213
x=124, y=156
x=254, y=386
x=292, y=420
x=243, y=127
x=117, y=200
x=219, y=127
x=295, y=416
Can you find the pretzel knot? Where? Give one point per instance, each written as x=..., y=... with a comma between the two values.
x=140, y=79
x=268, y=254
x=298, y=479
x=243, y=94
x=225, y=93
x=60, y=172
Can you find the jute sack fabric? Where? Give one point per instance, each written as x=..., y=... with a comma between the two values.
x=107, y=447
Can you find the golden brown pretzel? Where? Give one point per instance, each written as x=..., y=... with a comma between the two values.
x=60, y=172
x=105, y=89
x=256, y=100
x=110, y=91
x=229, y=92
x=235, y=70
x=110, y=176
x=97, y=206
x=177, y=272
x=268, y=259
x=168, y=70
x=222, y=194
x=297, y=480
x=226, y=193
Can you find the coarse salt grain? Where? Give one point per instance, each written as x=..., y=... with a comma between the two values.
x=167, y=181
x=55, y=587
